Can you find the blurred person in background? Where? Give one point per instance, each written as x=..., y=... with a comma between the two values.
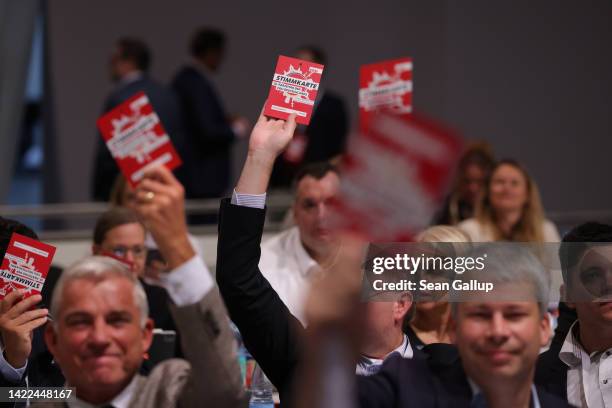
x=578, y=365
x=473, y=171
x=430, y=322
x=210, y=132
x=129, y=66
x=510, y=209
x=325, y=136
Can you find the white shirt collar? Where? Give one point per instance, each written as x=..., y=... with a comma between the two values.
x=305, y=262
x=122, y=400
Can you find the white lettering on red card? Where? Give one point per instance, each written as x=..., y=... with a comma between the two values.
x=25, y=265
x=294, y=89
x=385, y=86
x=136, y=138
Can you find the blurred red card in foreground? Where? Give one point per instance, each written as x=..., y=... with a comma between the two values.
x=25, y=265
x=294, y=89
x=385, y=87
x=136, y=138
x=394, y=177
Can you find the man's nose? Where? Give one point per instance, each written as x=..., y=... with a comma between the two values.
x=99, y=336
x=498, y=328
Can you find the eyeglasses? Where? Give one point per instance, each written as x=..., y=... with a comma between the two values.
x=122, y=251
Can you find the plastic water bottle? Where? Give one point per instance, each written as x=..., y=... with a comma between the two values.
x=261, y=390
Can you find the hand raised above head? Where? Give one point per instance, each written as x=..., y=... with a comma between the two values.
x=270, y=137
x=160, y=202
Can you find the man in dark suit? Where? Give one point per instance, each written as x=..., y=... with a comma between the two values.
x=129, y=67
x=209, y=131
x=497, y=335
x=325, y=136
x=578, y=364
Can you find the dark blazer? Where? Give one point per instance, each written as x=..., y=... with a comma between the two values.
x=166, y=106
x=551, y=373
x=269, y=331
x=208, y=134
x=438, y=381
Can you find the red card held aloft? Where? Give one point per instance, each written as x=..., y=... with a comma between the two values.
x=394, y=177
x=25, y=265
x=136, y=138
x=294, y=89
x=385, y=86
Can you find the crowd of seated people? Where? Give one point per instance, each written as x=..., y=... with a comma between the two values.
x=296, y=298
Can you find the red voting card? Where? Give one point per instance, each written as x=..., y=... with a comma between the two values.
x=25, y=265
x=385, y=86
x=394, y=178
x=294, y=89
x=136, y=138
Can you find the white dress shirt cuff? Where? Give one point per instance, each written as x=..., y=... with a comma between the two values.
x=249, y=200
x=9, y=372
x=188, y=283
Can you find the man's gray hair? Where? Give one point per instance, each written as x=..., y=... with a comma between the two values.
x=509, y=263
x=98, y=268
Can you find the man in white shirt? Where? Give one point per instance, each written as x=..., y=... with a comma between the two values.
x=579, y=369
x=291, y=259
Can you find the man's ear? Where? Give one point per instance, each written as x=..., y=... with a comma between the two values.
x=545, y=330
x=147, y=334
x=402, y=306
x=51, y=338
x=564, y=296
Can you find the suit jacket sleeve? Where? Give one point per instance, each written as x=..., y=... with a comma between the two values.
x=210, y=348
x=268, y=329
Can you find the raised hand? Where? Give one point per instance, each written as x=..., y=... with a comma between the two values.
x=160, y=202
x=17, y=321
x=268, y=139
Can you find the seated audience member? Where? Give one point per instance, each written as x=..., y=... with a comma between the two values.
x=291, y=259
x=119, y=232
x=123, y=195
x=578, y=368
x=510, y=209
x=325, y=136
x=430, y=322
x=269, y=330
x=21, y=329
x=498, y=338
x=473, y=171
x=129, y=70
x=101, y=329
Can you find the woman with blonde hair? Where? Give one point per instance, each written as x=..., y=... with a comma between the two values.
x=510, y=209
x=430, y=320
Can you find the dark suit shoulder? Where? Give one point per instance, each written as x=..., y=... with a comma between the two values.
x=549, y=400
